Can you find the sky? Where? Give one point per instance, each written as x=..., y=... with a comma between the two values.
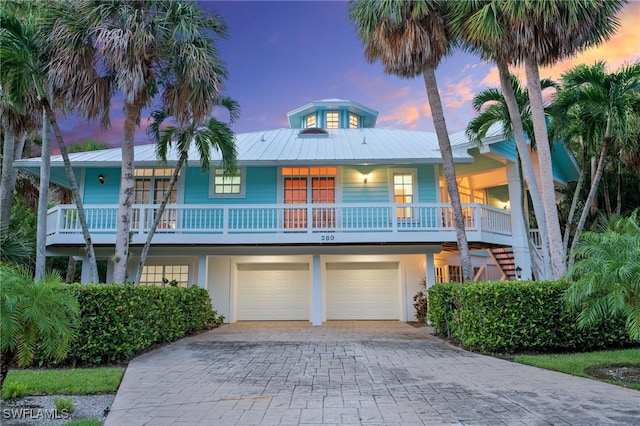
x=281, y=55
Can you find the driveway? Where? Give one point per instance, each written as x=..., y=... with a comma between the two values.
x=351, y=372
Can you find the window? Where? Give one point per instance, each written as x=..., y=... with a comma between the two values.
x=455, y=274
x=467, y=193
x=332, y=120
x=354, y=121
x=310, y=121
x=149, y=188
x=439, y=274
x=403, y=194
x=228, y=186
x=154, y=274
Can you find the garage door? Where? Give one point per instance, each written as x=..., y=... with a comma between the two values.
x=273, y=291
x=362, y=291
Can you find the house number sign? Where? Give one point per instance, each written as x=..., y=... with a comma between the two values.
x=327, y=237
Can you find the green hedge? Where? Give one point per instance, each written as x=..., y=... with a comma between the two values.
x=118, y=321
x=516, y=316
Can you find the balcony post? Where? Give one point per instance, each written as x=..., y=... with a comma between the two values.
x=520, y=244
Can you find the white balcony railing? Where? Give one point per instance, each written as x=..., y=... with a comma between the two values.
x=283, y=219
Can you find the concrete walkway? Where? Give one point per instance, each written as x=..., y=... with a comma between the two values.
x=356, y=373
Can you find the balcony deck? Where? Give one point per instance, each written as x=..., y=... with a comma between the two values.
x=284, y=224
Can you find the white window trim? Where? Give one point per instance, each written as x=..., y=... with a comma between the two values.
x=243, y=184
x=414, y=180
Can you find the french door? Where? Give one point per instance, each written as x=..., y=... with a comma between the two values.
x=150, y=189
x=309, y=185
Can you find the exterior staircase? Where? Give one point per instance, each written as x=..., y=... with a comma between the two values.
x=503, y=256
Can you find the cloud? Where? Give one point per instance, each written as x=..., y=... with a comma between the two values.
x=407, y=115
x=458, y=94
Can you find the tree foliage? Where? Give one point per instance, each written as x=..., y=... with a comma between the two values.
x=607, y=274
x=36, y=317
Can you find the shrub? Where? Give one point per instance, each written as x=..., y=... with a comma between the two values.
x=444, y=308
x=421, y=302
x=516, y=316
x=118, y=321
x=12, y=390
x=64, y=405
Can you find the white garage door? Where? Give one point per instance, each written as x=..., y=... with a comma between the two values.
x=362, y=290
x=277, y=291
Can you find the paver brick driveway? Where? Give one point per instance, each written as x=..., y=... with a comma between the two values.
x=360, y=373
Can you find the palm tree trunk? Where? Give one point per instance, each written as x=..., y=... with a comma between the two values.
x=558, y=261
x=127, y=185
x=5, y=362
x=43, y=200
x=71, y=270
x=576, y=197
x=93, y=266
x=449, y=169
x=158, y=216
x=619, y=190
x=592, y=194
x=6, y=190
x=605, y=194
x=15, y=146
x=594, y=166
x=525, y=160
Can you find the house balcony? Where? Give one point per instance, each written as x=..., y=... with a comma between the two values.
x=386, y=223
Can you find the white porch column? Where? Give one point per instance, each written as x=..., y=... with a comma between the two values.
x=85, y=275
x=202, y=271
x=520, y=239
x=430, y=269
x=316, y=292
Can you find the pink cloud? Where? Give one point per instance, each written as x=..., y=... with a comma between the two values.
x=458, y=94
x=407, y=115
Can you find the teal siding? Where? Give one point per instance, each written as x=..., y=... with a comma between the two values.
x=260, y=187
x=377, y=188
x=354, y=190
x=506, y=149
x=97, y=193
x=428, y=186
x=564, y=169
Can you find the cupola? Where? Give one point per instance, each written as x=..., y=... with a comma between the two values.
x=332, y=114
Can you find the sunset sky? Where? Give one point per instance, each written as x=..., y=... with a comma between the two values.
x=282, y=55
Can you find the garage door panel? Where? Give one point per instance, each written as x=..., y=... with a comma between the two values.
x=361, y=290
x=273, y=292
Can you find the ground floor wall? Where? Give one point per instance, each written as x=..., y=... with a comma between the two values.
x=326, y=283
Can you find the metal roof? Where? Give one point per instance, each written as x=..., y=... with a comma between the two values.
x=285, y=146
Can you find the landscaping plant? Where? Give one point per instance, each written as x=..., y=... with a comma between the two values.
x=35, y=317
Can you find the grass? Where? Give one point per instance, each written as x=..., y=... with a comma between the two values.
x=576, y=363
x=74, y=381
x=85, y=422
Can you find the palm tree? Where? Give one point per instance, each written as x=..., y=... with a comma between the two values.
x=494, y=107
x=539, y=33
x=20, y=55
x=36, y=316
x=410, y=38
x=609, y=102
x=140, y=50
x=482, y=28
x=607, y=275
x=570, y=123
x=547, y=31
x=213, y=134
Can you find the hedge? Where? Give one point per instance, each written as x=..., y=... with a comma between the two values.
x=118, y=321
x=516, y=316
